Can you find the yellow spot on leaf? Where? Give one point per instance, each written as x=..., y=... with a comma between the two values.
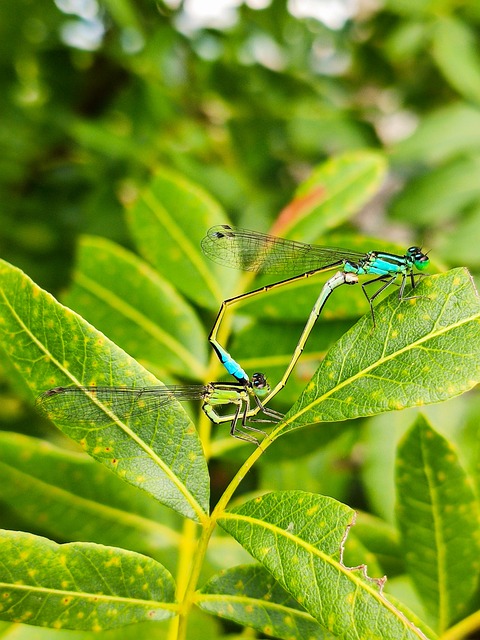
x=313, y=510
x=288, y=620
x=113, y=562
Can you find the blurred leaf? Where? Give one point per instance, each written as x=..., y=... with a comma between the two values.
x=158, y=451
x=333, y=193
x=422, y=351
x=70, y=496
x=409, y=7
x=125, y=13
x=442, y=134
x=250, y=596
x=127, y=300
x=407, y=40
x=325, y=468
x=80, y=585
x=439, y=520
x=168, y=222
x=298, y=537
x=455, y=50
x=380, y=435
x=313, y=125
x=440, y=194
x=460, y=244
x=381, y=540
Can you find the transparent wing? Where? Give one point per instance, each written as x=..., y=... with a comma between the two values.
x=254, y=251
x=97, y=404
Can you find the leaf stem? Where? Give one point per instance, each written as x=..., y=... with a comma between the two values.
x=208, y=528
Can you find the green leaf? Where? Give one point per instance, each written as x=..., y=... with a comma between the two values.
x=460, y=244
x=80, y=585
x=440, y=194
x=422, y=351
x=127, y=300
x=334, y=191
x=71, y=497
x=299, y=538
x=455, y=50
x=51, y=346
x=250, y=596
x=439, y=520
x=168, y=222
x=446, y=132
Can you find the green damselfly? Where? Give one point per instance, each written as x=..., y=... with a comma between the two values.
x=103, y=405
x=258, y=252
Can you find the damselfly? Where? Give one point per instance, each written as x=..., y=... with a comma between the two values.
x=103, y=405
x=254, y=251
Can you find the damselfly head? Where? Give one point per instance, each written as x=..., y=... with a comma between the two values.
x=420, y=259
x=260, y=384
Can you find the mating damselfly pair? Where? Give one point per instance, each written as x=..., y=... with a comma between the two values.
x=257, y=252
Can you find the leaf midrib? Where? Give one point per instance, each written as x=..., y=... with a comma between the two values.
x=88, y=596
x=349, y=573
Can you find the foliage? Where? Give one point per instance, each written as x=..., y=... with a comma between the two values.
x=273, y=113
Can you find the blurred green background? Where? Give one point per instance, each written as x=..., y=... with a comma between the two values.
x=243, y=98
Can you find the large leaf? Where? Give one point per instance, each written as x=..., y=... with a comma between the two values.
x=168, y=222
x=334, y=191
x=250, y=596
x=442, y=134
x=123, y=297
x=422, y=351
x=80, y=585
x=299, y=538
x=51, y=346
x=439, y=520
x=68, y=495
x=455, y=50
x=440, y=194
